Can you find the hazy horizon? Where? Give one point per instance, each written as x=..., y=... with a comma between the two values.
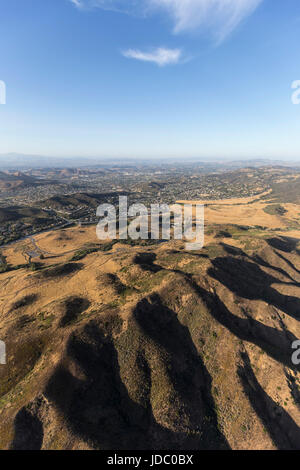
x=81, y=160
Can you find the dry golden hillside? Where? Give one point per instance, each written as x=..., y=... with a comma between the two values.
x=151, y=346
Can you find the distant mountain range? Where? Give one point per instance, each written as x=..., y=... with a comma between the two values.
x=23, y=161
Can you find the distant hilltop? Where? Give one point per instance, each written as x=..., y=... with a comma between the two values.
x=16, y=180
x=23, y=161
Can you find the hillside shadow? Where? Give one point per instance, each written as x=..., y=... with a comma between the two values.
x=28, y=431
x=282, y=429
x=25, y=301
x=72, y=308
x=146, y=262
x=246, y=279
x=261, y=262
x=188, y=374
x=60, y=270
x=294, y=388
x=288, y=262
x=98, y=409
x=286, y=244
x=276, y=343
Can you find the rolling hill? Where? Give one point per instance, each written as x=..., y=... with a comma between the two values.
x=30, y=215
x=17, y=180
x=138, y=347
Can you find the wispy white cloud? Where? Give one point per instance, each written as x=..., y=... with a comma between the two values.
x=122, y=6
x=160, y=56
x=217, y=17
x=78, y=3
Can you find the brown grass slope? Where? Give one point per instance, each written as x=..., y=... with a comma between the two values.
x=154, y=348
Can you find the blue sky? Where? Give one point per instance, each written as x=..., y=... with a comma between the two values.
x=150, y=78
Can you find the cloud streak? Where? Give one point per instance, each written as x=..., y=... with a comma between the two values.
x=217, y=17
x=121, y=6
x=78, y=3
x=160, y=56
